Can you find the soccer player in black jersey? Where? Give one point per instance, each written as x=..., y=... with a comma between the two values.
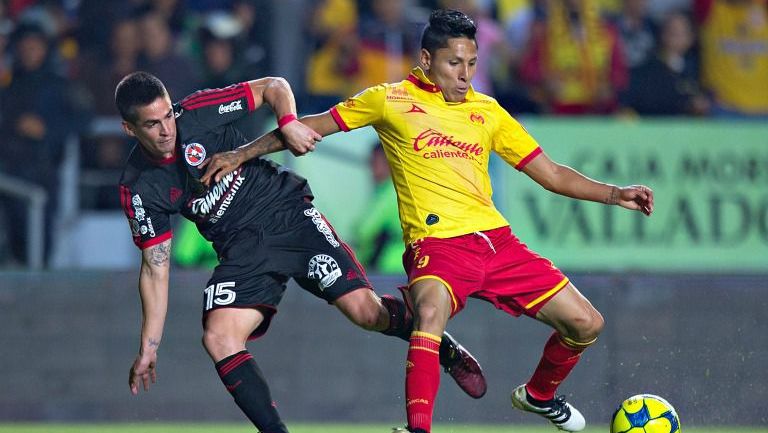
x=262, y=224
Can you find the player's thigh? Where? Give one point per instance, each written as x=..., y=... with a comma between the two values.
x=432, y=304
x=245, y=288
x=236, y=324
x=317, y=258
x=572, y=315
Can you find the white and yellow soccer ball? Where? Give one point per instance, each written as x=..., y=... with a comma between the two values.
x=645, y=413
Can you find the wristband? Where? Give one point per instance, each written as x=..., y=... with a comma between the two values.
x=288, y=118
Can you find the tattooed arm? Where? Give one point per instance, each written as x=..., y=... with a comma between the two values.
x=153, y=290
x=566, y=181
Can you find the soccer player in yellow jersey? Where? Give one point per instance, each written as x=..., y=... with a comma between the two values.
x=438, y=134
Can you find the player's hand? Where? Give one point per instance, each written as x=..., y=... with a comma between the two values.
x=219, y=165
x=142, y=371
x=299, y=138
x=636, y=197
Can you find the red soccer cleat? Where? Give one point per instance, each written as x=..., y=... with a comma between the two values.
x=462, y=366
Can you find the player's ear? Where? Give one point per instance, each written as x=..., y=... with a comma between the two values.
x=425, y=58
x=128, y=128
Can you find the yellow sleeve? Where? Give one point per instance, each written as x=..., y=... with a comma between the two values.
x=365, y=108
x=512, y=142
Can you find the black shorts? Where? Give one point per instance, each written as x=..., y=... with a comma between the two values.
x=257, y=264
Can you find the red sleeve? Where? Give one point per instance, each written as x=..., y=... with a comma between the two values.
x=701, y=10
x=619, y=71
x=208, y=97
x=531, y=65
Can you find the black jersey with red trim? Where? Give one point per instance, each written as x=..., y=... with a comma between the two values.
x=152, y=190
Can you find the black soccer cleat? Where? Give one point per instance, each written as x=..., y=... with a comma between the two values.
x=462, y=366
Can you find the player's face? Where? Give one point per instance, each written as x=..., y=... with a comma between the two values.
x=452, y=67
x=155, y=128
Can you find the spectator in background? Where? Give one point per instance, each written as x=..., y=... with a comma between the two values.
x=389, y=38
x=101, y=70
x=575, y=61
x=666, y=84
x=36, y=114
x=254, y=40
x=491, y=42
x=637, y=32
x=6, y=28
x=517, y=18
x=379, y=237
x=332, y=63
x=220, y=67
x=160, y=57
x=734, y=55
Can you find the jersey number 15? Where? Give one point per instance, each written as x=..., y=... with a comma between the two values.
x=219, y=294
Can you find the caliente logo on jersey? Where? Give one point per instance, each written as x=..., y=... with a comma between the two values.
x=194, y=154
x=435, y=144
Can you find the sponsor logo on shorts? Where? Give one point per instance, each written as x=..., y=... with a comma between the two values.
x=324, y=268
x=322, y=226
x=194, y=154
x=232, y=106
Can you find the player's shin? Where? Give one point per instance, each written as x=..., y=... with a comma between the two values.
x=559, y=357
x=400, y=319
x=422, y=379
x=244, y=380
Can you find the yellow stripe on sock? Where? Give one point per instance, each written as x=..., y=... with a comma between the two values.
x=432, y=337
x=576, y=344
x=425, y=349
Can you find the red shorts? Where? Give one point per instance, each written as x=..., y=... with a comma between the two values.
x=492, y=265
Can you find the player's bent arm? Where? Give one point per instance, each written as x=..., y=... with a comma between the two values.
x=221, y=164
x=276, y=92
x=153, y=290
x=566, y=181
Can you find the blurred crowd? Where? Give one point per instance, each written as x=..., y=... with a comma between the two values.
x=61, y=59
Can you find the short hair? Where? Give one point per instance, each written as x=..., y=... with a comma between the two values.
x=135, y=90
x=445, y=24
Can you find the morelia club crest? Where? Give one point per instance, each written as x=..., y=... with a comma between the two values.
x=194, y=154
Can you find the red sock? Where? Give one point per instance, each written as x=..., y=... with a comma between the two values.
x=556, y=363
x=422, y=379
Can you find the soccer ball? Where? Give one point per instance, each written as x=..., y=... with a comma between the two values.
x=645, y=413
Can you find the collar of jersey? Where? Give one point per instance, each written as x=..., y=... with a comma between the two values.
x=158, y=161
x=419, y=78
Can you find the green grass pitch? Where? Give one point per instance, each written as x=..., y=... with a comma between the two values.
x=311, y=428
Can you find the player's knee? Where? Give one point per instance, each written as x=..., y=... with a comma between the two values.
x=589, y=326
x=430, y=316
x=219, y=344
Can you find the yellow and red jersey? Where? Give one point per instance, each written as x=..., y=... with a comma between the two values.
x=734, y=53
x=438, y=152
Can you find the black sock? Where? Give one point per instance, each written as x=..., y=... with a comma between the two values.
x=400, y=319
x=244, y=380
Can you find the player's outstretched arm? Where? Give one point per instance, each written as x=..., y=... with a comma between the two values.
x=221, y=164
x=153, y=290
x=566, y=181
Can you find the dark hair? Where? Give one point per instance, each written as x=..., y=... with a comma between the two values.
x=135, y=90
x=445, y=24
